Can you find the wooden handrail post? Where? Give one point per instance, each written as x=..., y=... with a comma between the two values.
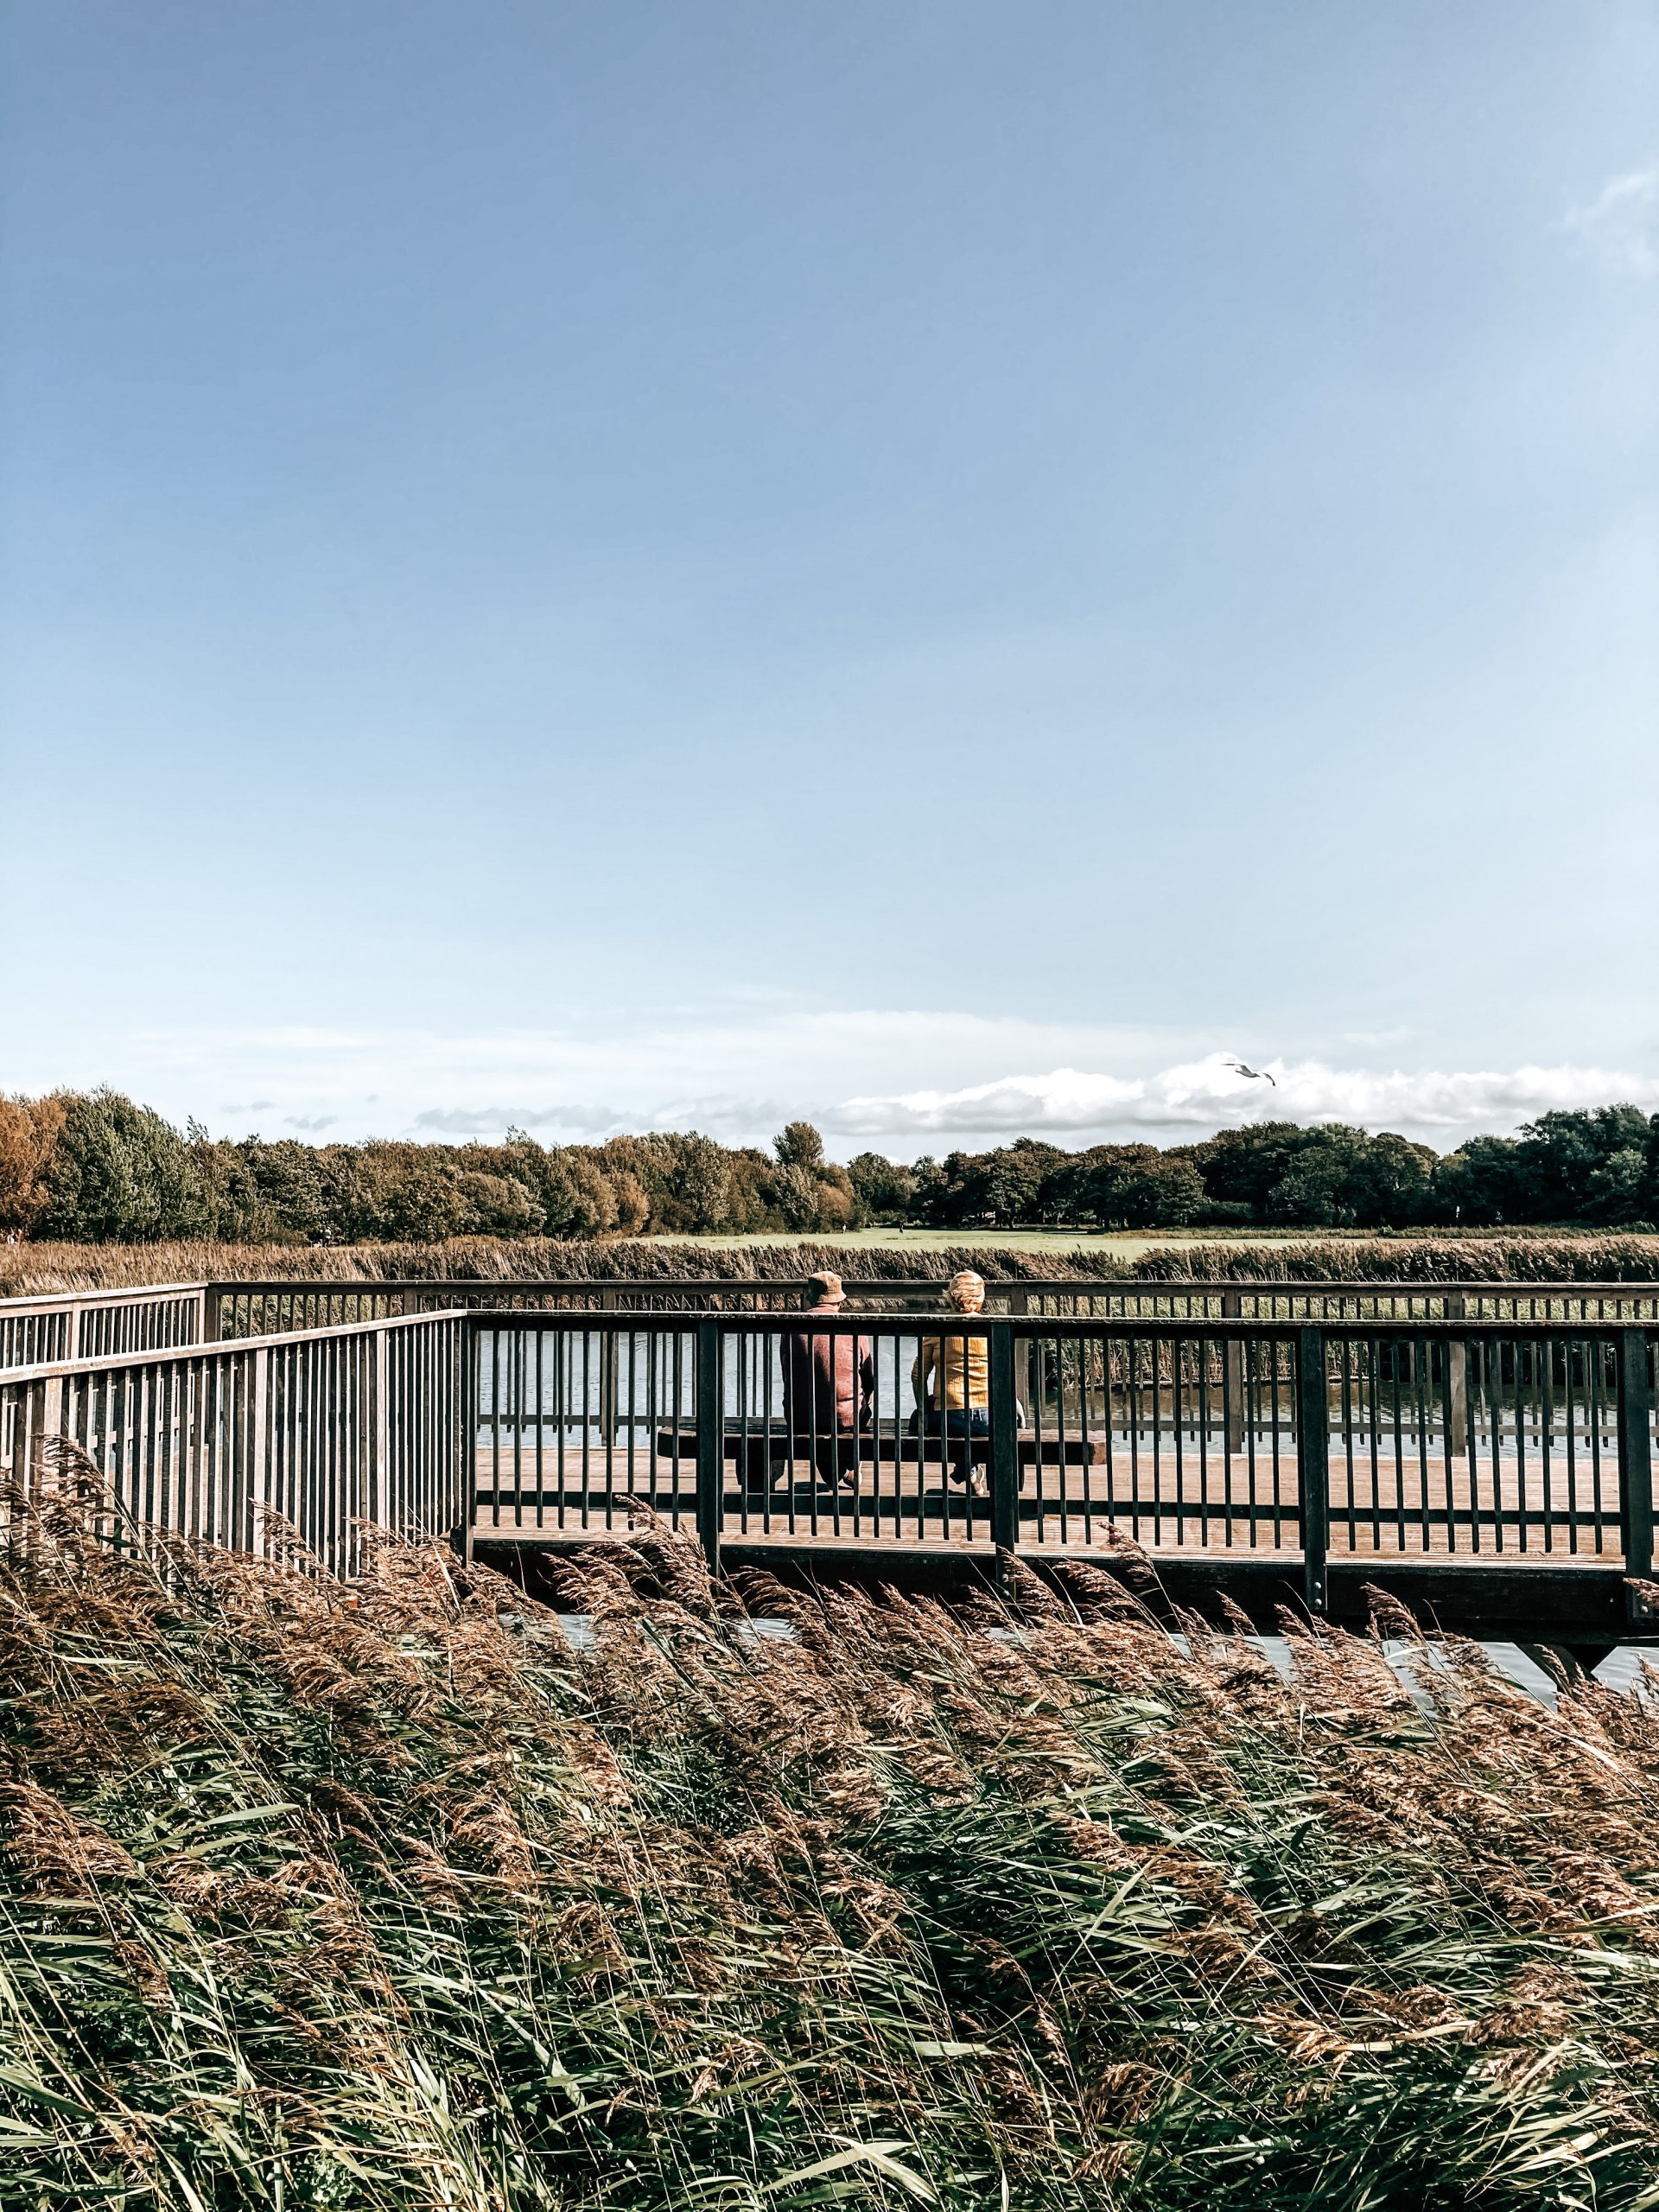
x=380, y=1482
x=1020, y=1302
x=259, y=1448
x=1312, y=1465
x=1456, y=1383
x=1635, y=1388
x=607, y=1367
x=711, y=1439
x=1233, y=1357
x=1005, y=1448
x=54, y=1409
x=466, y=1397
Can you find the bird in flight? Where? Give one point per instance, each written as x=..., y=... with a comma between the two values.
x=1256, y=1075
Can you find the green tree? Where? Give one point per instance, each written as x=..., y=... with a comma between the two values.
x=1481, y=1184
x=1017, y=1182
x=882, y=1189
x=497, y=1206
x=750, y=1200
x=1617, y=1188
x=1316, y=1190
x=578, y=1194
x=798, y=1196
x=119, y=1175
x=1243, y=1166
x=1391, y=1186
x=1136, y=1187
x=685, y=1179
x=699, y=1184
x=1564, y=1163
x=405, y=1193
x=798, y=1144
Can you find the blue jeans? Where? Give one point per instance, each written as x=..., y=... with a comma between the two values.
x=965, y=1422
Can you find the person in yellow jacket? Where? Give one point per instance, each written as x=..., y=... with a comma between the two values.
x=951, y=1379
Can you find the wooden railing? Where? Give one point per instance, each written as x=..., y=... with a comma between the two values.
x=1301, y=1443
x=75, y=1325
x=1432, y=1441
x=326, y=1427
x=238, y=1309
x=88, y=1324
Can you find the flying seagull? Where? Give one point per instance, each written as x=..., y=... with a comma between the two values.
x=1256, y=1075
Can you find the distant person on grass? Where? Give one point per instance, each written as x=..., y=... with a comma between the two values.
x=828, y=1388
x=951, y=1380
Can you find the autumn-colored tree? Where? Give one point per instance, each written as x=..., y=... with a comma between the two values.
x=30, y=1129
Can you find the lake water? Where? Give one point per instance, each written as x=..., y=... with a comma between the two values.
x=1625, y=1669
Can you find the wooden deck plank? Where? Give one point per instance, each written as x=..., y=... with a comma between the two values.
x=1156, y=1503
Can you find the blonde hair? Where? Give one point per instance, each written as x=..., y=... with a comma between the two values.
x=963, y=1281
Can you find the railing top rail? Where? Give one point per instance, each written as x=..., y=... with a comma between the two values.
x=1097, y=1285
x=36, y=1299
x=1458, y=1329
x=231, y=1348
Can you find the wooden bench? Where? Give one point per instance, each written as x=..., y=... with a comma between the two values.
x=583, y=1509
x=755, y=1450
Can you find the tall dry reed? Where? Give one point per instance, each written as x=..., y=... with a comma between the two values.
x=407, y=1895
x=1510, y=1258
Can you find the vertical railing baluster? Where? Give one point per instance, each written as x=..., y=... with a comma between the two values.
x=711, y=1439
x=1004, y=1445
x=1312, y=1465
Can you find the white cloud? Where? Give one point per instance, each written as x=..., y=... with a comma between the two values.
x=738, y=1071
x=1199, y=1096
x=904, y=1081
x=568, y=1124
x=1620, y=226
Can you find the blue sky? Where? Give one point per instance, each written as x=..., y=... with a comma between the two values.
x=949, y=568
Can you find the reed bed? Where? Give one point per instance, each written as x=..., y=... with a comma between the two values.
x=408, y=1893
x=1509, y=1258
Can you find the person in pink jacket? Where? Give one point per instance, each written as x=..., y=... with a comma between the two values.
x=829, y=1388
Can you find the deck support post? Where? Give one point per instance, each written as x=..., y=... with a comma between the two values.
x=1636, y=1454
x=711, y=1425
x=1312, y=1465
x=1005, y=1449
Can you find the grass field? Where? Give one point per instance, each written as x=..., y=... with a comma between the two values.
x=1126, y=1244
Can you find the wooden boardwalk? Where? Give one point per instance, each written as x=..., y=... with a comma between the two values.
x=1402, y=1508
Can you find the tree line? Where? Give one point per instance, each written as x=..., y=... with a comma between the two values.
x=95, y=1168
